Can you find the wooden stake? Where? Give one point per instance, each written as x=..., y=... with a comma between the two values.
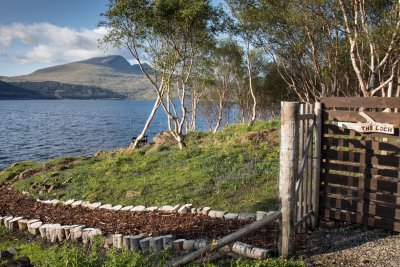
x=317, y=164
x=289, y=157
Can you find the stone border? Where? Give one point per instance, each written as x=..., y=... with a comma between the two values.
x=80, y=233
x=181, y=209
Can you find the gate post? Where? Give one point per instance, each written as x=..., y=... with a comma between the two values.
x=288, y=167
x=317, y=165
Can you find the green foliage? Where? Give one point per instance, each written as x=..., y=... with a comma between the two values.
x=235, y=169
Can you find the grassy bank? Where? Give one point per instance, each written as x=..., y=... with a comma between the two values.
x=235, y=169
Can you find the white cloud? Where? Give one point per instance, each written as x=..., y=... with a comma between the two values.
x=49, y=44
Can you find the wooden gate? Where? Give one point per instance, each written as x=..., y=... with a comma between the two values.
x=360, y=173
x=299, y=170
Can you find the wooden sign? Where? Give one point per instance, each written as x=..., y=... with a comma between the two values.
x=367, y=127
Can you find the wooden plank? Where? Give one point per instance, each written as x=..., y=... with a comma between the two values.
x=353, y=116
x=374, y=209
x=361, y=183
x=360, y=218
x=306, y=117
x=335, y=130
x=363, y=159
x=358, y=102
x=362, y=144
x=361, y=195
x=300, y=171
x=368, y=171
x=317, y=164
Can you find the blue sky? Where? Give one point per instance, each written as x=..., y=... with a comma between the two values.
x=41, y=33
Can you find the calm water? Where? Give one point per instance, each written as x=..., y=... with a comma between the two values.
x=43, y=129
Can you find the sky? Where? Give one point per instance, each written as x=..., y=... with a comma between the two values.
x=36, y=34
x=41, y=33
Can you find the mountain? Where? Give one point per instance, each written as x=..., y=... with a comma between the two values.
x=101, y=77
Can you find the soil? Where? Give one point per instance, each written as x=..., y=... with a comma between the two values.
x=187, y=226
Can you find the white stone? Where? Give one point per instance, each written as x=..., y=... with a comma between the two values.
x=216, y=214
x=34, y=227
x=262, y=214
x=145, y=244
x=117, y=241
x=206, y=210
x=94, y=206
x=189, y=205
x=76, y=233
x=117, y=208
x=139, y=208
x=168, y=242
x=55, y=202
x=85, y=204
x=85, y=235
x=153, y=208
x=231, y=216
x=6, y=221
x=188, y=245
x=106, y=206
x=23, y=224
x=157, y=243
x=43, y=230
x=175, y=208
x=135, y=242
x=166, y=208
x=76, y=203
x=13, y=223
x=184, y=210
x=246, y=216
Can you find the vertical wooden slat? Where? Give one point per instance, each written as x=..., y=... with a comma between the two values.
x=289, y=156
x=300, y=211
x=317, y=164
x=309, y=170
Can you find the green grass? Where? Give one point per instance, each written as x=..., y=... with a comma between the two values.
x=235, y=170
x=72, y=255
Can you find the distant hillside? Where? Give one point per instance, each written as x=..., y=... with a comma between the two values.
x=9, y=91
x=102, y=77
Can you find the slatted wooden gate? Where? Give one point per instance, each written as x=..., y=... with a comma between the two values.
x=360, y=175
x=299, y=170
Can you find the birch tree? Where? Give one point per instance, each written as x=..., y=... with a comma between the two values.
x=168, y=35
x=372, y=30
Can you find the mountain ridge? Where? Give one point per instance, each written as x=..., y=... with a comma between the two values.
x=113, y=74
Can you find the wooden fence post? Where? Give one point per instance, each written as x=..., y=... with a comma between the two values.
x=289, y=157
x=317, y=165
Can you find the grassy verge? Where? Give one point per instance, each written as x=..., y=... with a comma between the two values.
x=235, y=169
x=72, y=255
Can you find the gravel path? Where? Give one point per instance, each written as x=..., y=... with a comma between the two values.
x=347, y=245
